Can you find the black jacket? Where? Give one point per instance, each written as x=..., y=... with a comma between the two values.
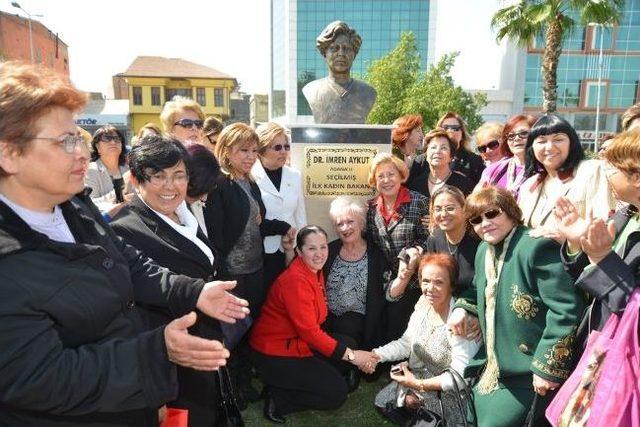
x=227, y=211
x=143, y=229
x=419, y=178
x=468, y=164
x=611, y=281
x=373, y=334
x=73, y=347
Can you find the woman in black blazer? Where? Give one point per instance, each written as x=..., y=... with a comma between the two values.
x=159, y=170
x=236, y=224
x=432, y=169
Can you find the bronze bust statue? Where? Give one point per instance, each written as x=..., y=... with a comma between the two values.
x=338, y=98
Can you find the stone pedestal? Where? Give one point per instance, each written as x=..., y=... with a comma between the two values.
x=334, y=160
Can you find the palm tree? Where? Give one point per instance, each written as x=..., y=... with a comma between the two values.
x=523, y=21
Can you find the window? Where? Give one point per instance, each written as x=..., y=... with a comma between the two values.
x=590, y=99
x=200, y=98
x=170, y=93
x=155, y=96
x=218, y=97
x=137, y=95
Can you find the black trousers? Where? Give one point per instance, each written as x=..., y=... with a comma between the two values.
x=300, y=383
x=274, y=264
x=350, y=324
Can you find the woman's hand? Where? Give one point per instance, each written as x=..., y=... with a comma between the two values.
x=215, y=301
x=406, y=377
x=473, y=328
x=457, y=322
x=366, y=361
x=541, y=386
x=599, y=240
x=191, y=351
x=569, y=224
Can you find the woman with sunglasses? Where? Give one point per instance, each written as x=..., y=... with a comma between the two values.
x=509, y=172
x=603, y=257
x=556, y=168
x=489, y=143
x=432, y=169
x=107, y=175
x=281, y=190
x=183, y=118
x=528, y=310
x=464, y=161
x=450, y=233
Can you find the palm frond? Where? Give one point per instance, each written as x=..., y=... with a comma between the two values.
x=515, y=23
x=607, y=12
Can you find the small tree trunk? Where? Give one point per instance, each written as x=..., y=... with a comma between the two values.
x=550, y=57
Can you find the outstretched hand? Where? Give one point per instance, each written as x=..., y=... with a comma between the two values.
x=191, y=351
x=569, y=224
x=215, y=301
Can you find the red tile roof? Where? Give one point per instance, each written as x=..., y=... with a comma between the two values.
x=157, y=66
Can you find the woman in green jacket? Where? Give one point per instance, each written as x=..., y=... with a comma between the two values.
x=528, y=310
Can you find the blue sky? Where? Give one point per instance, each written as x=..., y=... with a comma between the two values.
x=231, y=35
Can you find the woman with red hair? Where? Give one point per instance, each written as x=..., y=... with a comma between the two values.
x=407, y=136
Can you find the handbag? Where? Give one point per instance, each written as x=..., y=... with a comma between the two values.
x=604, y=390
x=464, y=399
x=427, y=418
x=229, y=414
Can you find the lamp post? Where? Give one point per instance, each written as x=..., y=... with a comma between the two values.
x=596, y=142
x=17, y=5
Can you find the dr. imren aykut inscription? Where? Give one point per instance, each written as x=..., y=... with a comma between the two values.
x=337, y=171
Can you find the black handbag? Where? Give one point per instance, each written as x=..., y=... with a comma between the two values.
x=464, y=399
x=428, y=418
x=229, y=414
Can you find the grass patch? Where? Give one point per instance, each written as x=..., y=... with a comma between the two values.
x=358, y=410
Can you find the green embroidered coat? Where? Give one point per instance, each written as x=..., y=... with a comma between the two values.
x=537, y=310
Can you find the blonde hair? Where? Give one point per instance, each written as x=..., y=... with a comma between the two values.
x=174, y=107
x=346, y=204
x=386, y=158
x=267, y=132
x=623, y=151
x=489, y=129
x=235, y=134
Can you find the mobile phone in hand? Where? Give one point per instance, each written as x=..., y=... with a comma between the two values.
x=396, y=369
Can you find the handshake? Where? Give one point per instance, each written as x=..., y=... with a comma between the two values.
x=366, y=361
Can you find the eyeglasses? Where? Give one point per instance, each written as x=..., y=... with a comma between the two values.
x=448, y=209
x=523, y=134
x=490, y=214
x=109, y=138
x=454, y=128
x=280, y=147
x=492, y=145
x=189, y=124
x=159, y=179
x=68, y=143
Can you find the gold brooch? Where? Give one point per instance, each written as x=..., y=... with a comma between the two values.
x=523, y=304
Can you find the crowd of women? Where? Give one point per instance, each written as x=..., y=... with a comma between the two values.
x=127, y=274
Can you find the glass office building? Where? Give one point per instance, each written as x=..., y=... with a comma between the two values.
x=297, y=23
x=579, y=73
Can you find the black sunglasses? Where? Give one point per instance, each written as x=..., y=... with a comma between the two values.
x=280, y=147
x=523, y=134
x=492, y=145
x=454, y=128
x=108, y=138
x=189, y=124
x=490, y=214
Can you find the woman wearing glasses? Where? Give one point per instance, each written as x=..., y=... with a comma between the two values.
x=183, y=118
x=489, y=143
x=556, y=168
x=108, y=171
x=509, y=172
x=281, y=190
x=528, y=310
x=76, y=350
x=464, y=161
x=158, y=222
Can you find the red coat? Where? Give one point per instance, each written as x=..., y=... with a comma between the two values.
x=289, y=323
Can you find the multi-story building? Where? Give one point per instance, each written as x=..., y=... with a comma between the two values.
x=150, y=81
x=15, y=43
x=258, y=109
x=580, y=73
x=295, y=24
